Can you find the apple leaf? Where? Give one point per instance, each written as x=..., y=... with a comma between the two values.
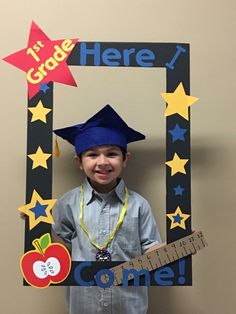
x=45, y=240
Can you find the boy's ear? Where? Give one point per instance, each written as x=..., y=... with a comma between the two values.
x=78, y=162
x=128, y=154
x=127, y=157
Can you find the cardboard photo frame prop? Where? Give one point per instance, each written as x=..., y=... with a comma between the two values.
x=174, y=57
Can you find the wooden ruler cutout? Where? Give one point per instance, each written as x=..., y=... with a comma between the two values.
x=160, y=257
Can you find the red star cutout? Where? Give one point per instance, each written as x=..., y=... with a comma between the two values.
x=43, y=60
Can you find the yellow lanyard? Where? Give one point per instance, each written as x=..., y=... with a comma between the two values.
x=120, y=220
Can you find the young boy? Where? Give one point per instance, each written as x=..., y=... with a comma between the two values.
x=102, y=219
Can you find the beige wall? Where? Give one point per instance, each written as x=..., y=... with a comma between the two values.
x=209, y=26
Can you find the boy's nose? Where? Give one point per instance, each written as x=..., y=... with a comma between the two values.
x=102, y=160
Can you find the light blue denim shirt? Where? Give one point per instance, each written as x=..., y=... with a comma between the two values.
x=137, y=233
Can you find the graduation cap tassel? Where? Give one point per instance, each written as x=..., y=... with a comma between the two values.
x=56, y=150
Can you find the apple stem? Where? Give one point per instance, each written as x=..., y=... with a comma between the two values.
x=38, y=247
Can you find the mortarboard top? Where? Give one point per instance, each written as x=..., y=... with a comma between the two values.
x=106, y=127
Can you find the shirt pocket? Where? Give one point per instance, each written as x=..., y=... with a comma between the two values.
x=127, y=237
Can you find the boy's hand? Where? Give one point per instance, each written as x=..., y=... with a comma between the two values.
x=155, y=247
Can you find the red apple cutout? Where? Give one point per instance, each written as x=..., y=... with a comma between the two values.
x=48, y=263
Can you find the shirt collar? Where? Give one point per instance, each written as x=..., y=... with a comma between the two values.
x=89, y=191
x=120, y=191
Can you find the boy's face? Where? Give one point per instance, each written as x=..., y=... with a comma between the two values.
x=103, y=165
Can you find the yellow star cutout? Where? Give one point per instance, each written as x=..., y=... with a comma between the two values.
x=177, y=165
x=39, y=158
x=178, y=102
x=38, y=210
x=178, y=219
x=39, y=112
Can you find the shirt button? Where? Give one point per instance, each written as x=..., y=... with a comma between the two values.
x=105, y=304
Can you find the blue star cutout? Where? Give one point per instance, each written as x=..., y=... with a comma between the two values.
x=177, y=133
x=39, y=210
x=177, y=218
x=44, y=87
x=179, y=190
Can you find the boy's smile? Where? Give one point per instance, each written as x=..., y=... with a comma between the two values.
x=103, y=165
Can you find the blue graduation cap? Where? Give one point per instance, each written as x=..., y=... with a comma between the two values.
x=106, y=127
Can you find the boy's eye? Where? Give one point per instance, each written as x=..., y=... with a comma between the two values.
x=112, y=154
x=107, y=154
x=91, y=154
